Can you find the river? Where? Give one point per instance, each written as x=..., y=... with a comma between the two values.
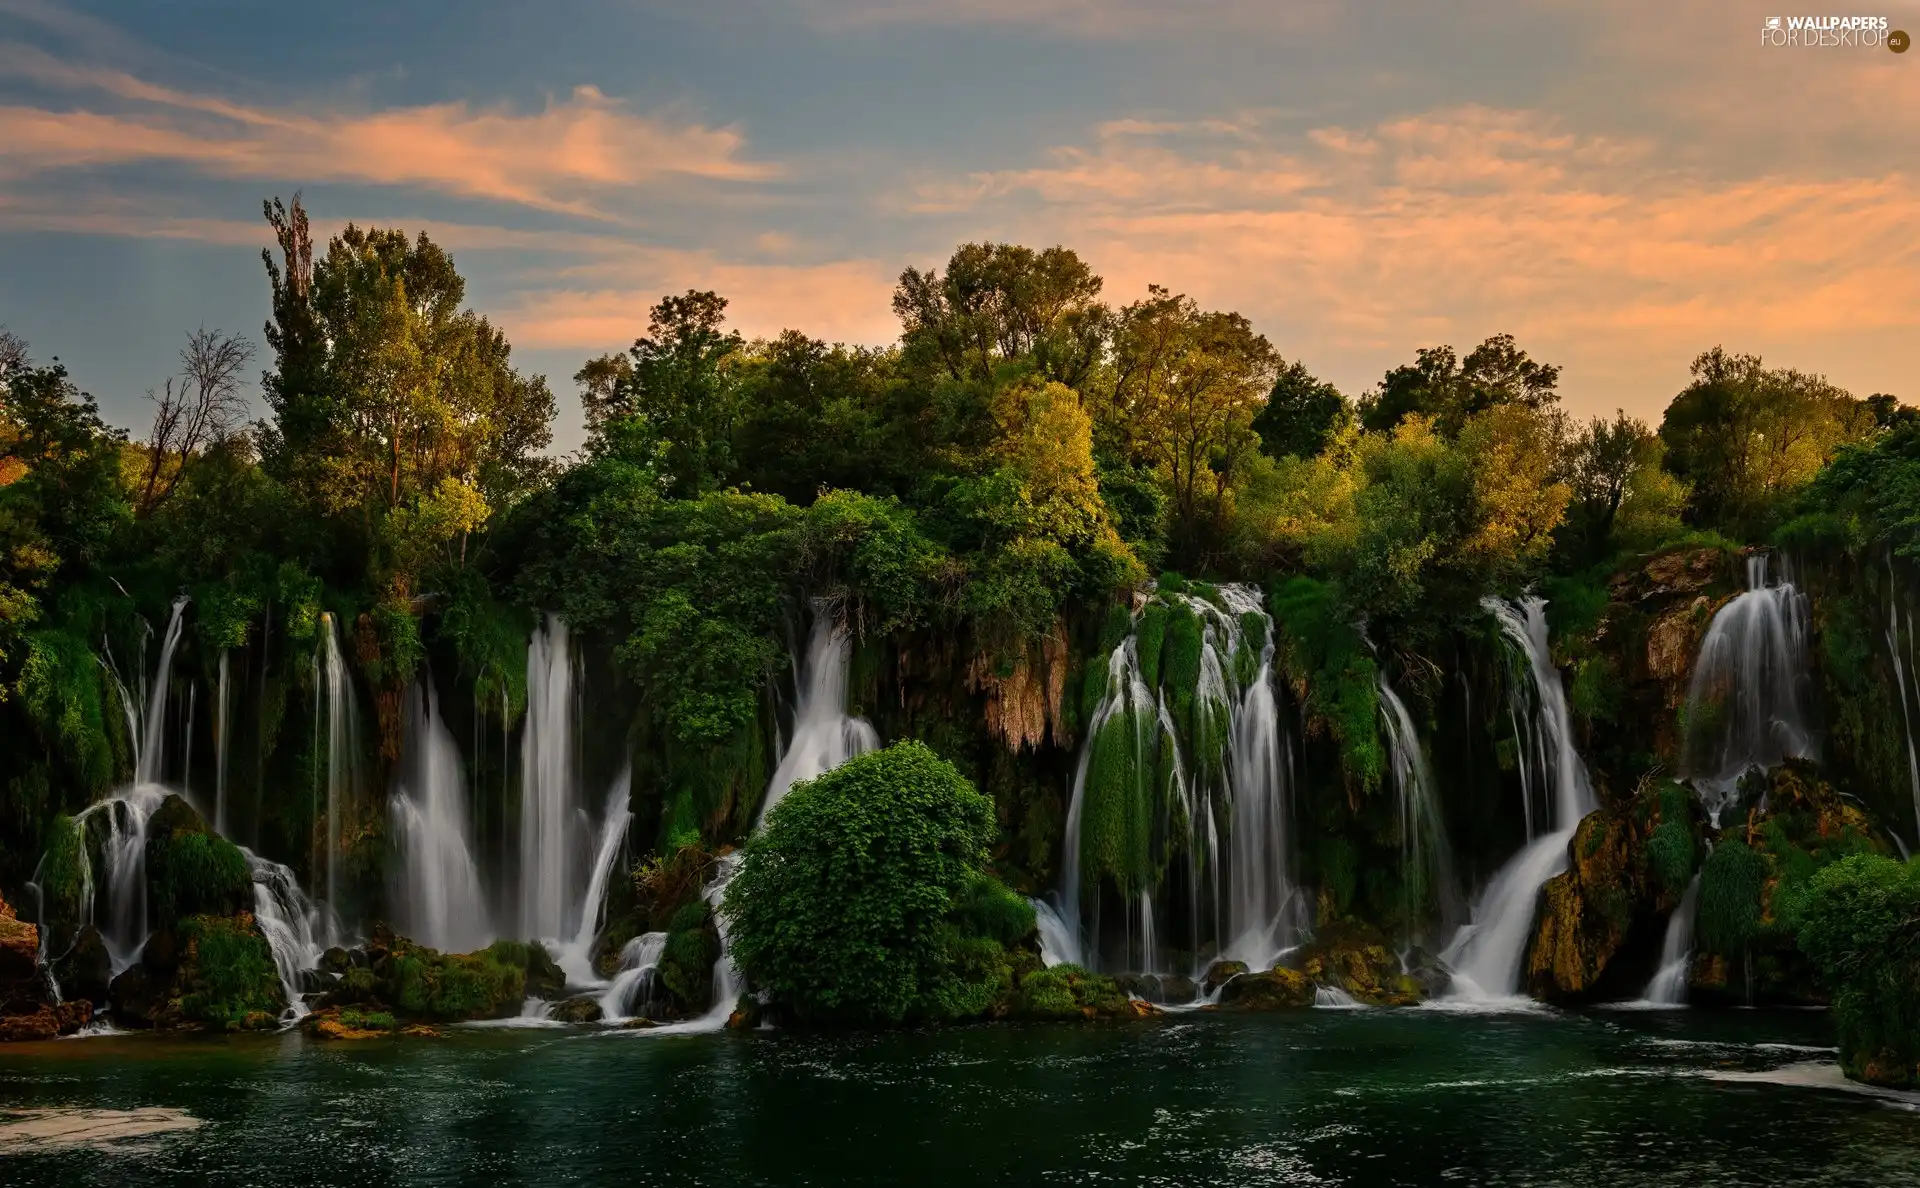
x=1322, y=1097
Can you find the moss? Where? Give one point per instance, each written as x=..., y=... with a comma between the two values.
x=64, y=692
x=368, y=1020
x=1596, y=694
x=1339, y=863
x=686, y=963
x=65, y=870
x=197, y=873
x=1858, y=933
x=1115, y=823
x=1730, y=885
x=227, y=978
x=1149, y=637
x=1671, y=852
x=1171, y=583
x=1067, y=992
x=988, y=908
x=425, y=984
x=1093, y=686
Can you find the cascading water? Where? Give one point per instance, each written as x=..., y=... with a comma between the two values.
x=633, y=984
x=1426, y=857
x=1749, y=699
x=1487, y=954
x=824, y=737
x=552, y=842
x=824, y=734
x=575, y=956
x=438, y=896
x=291, y=923
x=1669, y=985
x=1219, y=784
x=1899, y=635
x=335, y=712
x=221, y=710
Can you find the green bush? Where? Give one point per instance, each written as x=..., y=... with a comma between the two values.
x=227, y=977
x=1858, y=930
x=1730, y=886
x=1670, y=852
x=989, y=908
x=847, y=904
x=1067, y=992
x=450, y=987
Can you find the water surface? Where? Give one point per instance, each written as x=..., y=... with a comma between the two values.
x=1321, y=1097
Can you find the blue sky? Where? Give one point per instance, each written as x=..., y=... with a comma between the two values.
x=1620, y=185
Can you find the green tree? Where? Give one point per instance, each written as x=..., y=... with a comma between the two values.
x=682, y=381
x=1449, y=390
x=856, y=902
x=1743, y=437
x=1302, y=414
x=1184, y=390
x=1000, y=303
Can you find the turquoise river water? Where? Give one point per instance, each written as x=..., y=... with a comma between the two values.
x=1322, y=1097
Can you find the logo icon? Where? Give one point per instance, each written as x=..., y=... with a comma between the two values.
x=1898, y=41
x=1773, y=24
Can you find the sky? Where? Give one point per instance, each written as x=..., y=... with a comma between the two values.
x=1621, y=185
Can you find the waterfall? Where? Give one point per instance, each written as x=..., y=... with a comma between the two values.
x=824, y=737
x=220, y=712
x=575, y=957
x=1902, y=667
x=1748, y=700
x=824, y=734
x=1669, y=985
x=1486, y=955
x=438, y=897
x=336, y=705
x=1221, y=788
x=1260, y=892
x=1426, y=858
x=552, y=843
x=290, y=922
x=633, y=985
x=1058, y=944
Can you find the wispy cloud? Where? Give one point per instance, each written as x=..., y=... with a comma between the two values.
x=1358, y=242
x=565, y=157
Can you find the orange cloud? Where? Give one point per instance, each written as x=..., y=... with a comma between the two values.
x=563, y=157
x=840, y=301
x=1352, y=246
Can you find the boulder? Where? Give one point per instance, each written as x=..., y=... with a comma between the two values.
x=86, y=968
x=583, y=1009
x=1220, y=973
x=29, y=1006
x=1274, y=990
x=209, y=972
x=1354, y=957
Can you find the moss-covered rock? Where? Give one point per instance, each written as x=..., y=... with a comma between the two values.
x=1220, y=973
x=1069, y=992
x=86, y=969
x=207, y=972
x=1273, y=990
x=192, y=871
x=28, y=1010
x=350, y=1023
x=1354, y=956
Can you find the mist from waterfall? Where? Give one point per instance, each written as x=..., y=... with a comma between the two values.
x=1486, y=956
x=1750, y=698
x=1899, y=635
x=1232, y=808
x=438, y=897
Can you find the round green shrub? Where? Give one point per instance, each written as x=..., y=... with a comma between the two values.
x=844, y=906
x=1857, y=928
x=1670, y=852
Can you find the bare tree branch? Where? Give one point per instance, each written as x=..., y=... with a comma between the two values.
x=201, y=411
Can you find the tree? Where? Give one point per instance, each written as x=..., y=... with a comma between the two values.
x=682, y=382
x=385, y=390
x=1184, y=391
x=1301, y=414
x=1613, y=465
x=1743, y=436
x=204, y=410
x=1449, y=390
x=1001, y=303
x=859, y=901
